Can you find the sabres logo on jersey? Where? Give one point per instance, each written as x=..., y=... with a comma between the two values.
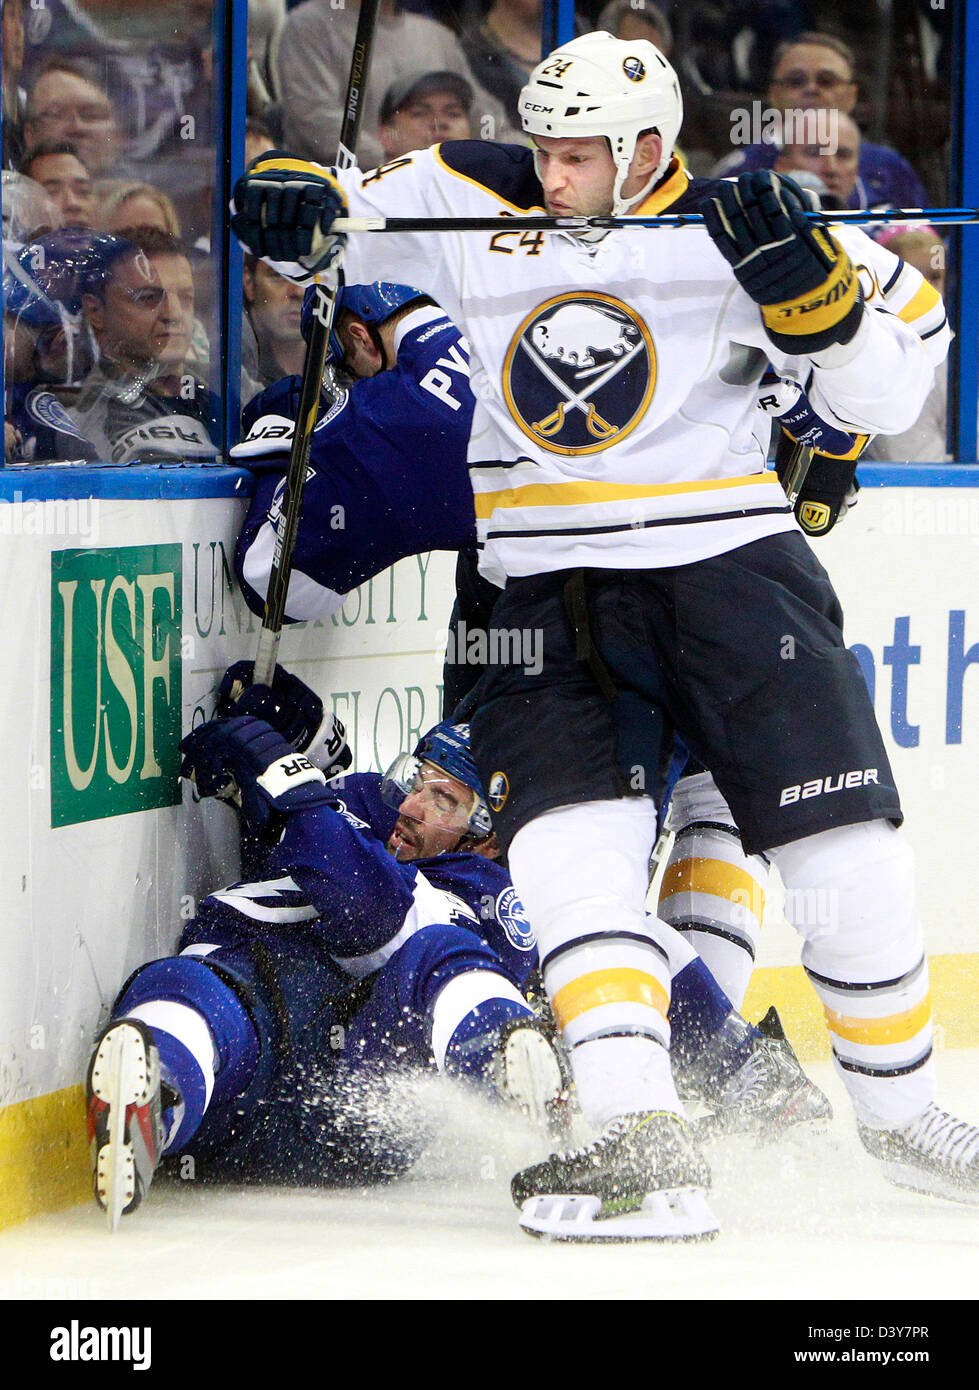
x=579, y=373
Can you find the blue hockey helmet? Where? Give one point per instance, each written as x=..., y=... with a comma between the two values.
x=446, y=746
x=42, y=288
x=372, y=303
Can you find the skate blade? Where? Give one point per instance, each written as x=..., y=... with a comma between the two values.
x=674, y=1214
x=119, y=1079
x=533, y=1080
x=929, y=1184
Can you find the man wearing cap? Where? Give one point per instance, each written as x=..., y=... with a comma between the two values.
x=424, y=109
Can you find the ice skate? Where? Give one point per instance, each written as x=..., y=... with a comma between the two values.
x=641, y=1179
x=125, y=1124
x=934, y=1153
x=768, y=1094
x=529, y=1073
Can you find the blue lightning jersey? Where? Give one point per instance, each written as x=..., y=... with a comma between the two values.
x=331, y=875
x=387, y=475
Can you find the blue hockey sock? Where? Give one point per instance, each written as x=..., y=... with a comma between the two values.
x=706, y=1029
x=475, y=1038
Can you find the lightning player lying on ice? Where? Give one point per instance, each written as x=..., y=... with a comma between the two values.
x=380, y=935
x=621, y=496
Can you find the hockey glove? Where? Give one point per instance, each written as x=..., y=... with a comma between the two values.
x=803, y=280
x=828, y=490
x=283, y=209
x=245, y=762
x=292, y=709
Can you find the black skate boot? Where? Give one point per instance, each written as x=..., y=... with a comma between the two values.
x=935, y=1153
x=641, y=1179
x=768, y=1094
x=530, y=1073
x=125, y=1124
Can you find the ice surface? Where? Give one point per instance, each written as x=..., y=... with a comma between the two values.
x=810, y=1218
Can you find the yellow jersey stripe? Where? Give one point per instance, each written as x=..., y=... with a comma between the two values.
x=600, y=987
x=677, y=183
x=895, y=1028
x=919, y=304
x=583, y=494
x=714, y=876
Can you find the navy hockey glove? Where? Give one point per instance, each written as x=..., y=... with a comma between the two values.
x=283, y=209
x=803, y=280
x=247, y=763
x=828, y=491
x=292, y=709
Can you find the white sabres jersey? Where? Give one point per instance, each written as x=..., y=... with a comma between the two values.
x=616, y=380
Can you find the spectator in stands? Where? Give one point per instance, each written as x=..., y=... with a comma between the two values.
x=314, y=63
x=12, y=51
x=925, y=441
x=835, y=163
x=141, y=402
x=637, y=19
x=817, y=71
x=423, y=110
x=502, y=47
x=67, y=102
x=274, y=308
x=57, y=167
x=132, y=203
x=258, y=138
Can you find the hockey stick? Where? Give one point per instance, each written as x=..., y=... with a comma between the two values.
x=314, y=363
x=795, y=471
x=535, y=223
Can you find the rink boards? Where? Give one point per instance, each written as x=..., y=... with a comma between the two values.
x=122, y=613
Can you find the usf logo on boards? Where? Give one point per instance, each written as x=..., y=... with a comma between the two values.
x=115, y=681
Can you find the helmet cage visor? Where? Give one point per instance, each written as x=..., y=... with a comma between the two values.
x=410, y=775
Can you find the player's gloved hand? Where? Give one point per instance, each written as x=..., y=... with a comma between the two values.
x=828, y=490
x=804, y=281
x=292, y=709
x=283, y=209
x=246, y=762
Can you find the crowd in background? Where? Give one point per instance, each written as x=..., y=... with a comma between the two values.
x=109, y=160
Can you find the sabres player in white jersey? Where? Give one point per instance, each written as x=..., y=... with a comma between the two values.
x=621, y=498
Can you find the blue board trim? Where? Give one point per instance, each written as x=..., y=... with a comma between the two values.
x=144, y=483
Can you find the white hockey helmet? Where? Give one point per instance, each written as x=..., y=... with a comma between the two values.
x=600, y=85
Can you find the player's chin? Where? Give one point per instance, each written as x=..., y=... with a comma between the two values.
x=402, y=848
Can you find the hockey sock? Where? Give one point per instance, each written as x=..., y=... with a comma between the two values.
x=468, y=1016
x=711, y=891
x=187, y=1064
x=850, y=892
x=709, y=1036
x=606, y=973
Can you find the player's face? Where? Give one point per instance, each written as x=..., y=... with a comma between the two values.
x=67, y=182
x=433, y=817
x=176, y=315
x=577, y=175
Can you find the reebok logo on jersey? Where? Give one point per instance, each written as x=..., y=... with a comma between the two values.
x=820, y=786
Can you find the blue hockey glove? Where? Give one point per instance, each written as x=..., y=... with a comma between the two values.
x=803, y=280
x=292, y=709
x=283, y=209
x=246, y=762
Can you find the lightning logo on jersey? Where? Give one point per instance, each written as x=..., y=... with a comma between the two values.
x=579, y=373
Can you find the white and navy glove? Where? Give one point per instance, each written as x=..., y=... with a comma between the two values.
x=249, y=764
x=803, y=280
x=292, y=709
x=283, y=209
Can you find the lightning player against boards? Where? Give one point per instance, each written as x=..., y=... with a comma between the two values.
x=622, y=500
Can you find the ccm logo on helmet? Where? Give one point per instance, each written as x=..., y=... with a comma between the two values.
x=531, y=106
x=802, y=791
